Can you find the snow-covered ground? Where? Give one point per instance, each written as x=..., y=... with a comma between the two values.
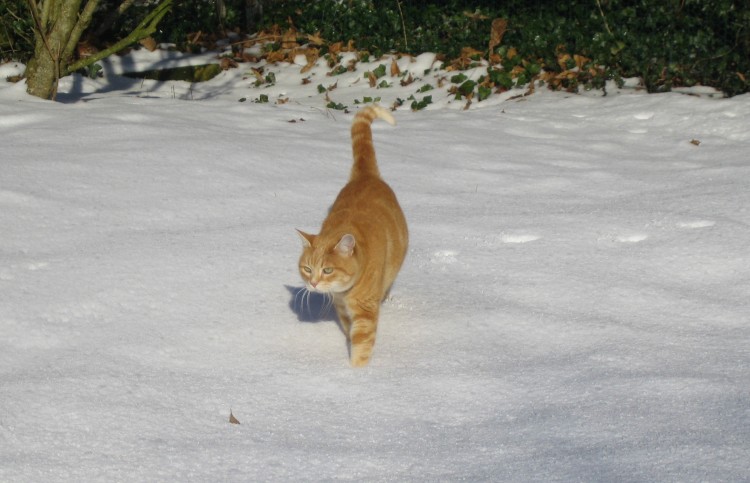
x=575, y=304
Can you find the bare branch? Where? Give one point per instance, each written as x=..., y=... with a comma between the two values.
x=84, y=19
x=145, y=28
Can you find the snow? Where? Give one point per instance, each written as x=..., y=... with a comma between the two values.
x=574, y=304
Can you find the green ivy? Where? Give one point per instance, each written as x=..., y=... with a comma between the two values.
x=667, y=43
x=16, y=31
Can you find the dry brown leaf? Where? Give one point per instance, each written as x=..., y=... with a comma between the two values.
x=373, y=80
x=232, y=419
x=695, y=142
x=276, y=56
x=466, y=59
x=517, y=71
x=334, y=49
x=226, y=63
x=497, y=31
x=245, y=57
x=531, y=88
x=475, y=16
x=289, y=39
x=580, y=61
x=315, y=39
x=86, y=49
x=312, y=56
x=408, y=80
x=258, y=73
x=470, y=52
x=567, y=74
x=395, y=71
x=149, y=43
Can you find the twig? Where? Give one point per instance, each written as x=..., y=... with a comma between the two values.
x=144, y=29
x=403, y=25
x=601, y=12
x=84, y=19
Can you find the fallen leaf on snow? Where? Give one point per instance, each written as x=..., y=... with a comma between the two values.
x=232, y=419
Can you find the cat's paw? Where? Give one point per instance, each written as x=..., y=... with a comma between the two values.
x=360, y=356
x=360, y=361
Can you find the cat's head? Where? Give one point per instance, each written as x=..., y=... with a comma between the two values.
x=328, y=266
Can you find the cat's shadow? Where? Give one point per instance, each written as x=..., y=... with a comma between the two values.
x=310, y=307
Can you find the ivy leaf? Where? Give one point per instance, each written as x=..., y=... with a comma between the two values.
x=467, y=87
x=379, y=71
x=419, y=105
x=484, y=93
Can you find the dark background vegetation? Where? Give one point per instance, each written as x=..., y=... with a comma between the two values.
x=667, y=43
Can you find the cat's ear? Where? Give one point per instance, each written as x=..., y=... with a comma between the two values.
x=345, y=246
x=307, y=239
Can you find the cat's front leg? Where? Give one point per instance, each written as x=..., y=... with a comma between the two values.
x=343, y=314
x=362, y=334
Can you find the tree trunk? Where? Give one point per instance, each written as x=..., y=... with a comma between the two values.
x=59, y=25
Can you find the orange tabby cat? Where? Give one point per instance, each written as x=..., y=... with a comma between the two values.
x=360, y=248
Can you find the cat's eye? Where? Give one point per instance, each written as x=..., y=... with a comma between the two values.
x=328, y=270
x=307, y=269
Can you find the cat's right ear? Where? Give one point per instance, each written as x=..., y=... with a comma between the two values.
x=307, y=239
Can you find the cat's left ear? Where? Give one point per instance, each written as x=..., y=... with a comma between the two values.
x=307, y=239
x=345, y=246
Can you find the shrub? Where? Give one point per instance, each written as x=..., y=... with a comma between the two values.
x=16, y=31
x=667, y=43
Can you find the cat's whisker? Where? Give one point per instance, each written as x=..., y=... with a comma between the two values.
x=308, y=295
x=302, y=300
x=299, y=291
x=327, y=304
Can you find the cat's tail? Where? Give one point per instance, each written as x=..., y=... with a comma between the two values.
x=365, y=163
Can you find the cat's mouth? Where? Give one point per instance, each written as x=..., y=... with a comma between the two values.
x=319, y=288
x=325, y=288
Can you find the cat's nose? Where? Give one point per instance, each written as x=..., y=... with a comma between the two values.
x=314, y=283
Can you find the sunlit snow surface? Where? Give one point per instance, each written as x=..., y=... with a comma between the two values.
x=575, y=304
